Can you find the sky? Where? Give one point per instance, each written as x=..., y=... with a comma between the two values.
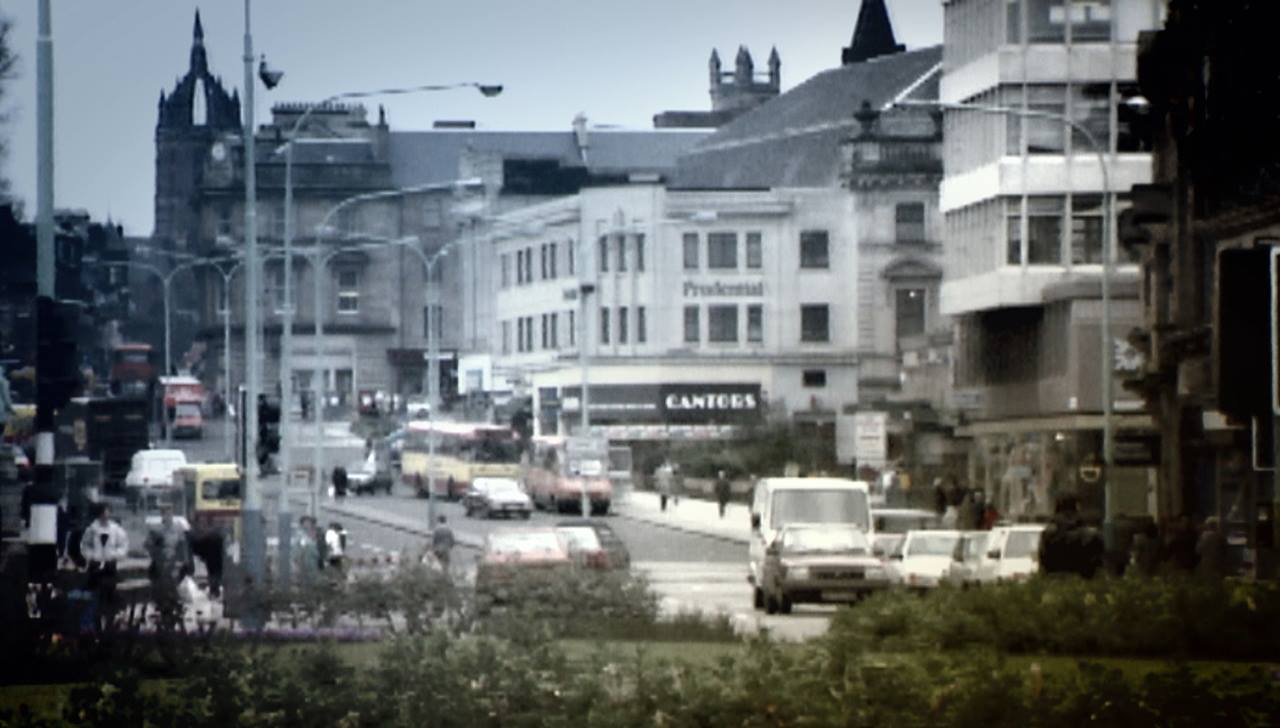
x=617, y=61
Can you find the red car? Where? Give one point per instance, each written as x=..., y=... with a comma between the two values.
x=511, y=553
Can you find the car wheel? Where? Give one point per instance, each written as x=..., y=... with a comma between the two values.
x=770, y=604
x=784, y=604
x=757, y=598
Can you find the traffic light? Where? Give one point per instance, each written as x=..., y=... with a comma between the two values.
x=57, y=354
x=268, y=428
x=1242, y=332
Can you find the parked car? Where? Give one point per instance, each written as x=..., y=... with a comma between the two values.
x=619, y=556
x=510, y=552
x=488, y=497
x=819, y=563
x=1012, y=553
x=925, y=556
x=584, y=546
x=363, y=477
x=968, y=559
x=151, y=472
x=418, y=407
x=901, y=520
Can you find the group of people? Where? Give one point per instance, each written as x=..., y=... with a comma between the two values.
x=964, y=509
x=315, y=550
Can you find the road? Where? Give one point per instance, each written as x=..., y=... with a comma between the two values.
x=691, y=572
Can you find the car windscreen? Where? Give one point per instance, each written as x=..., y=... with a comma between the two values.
x=187, y=409
x=902, y=522
x=931, y=544
x=820, y=506
x=1022, y=544
x=830, y=540
x=500, y=487
x=974, y=546
x=228, y=489
x=580, y=538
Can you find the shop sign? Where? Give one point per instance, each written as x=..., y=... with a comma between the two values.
x=708, y=403
x=871, y=438
x=721, y=289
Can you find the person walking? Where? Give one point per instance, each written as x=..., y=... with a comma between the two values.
x=306, y=550
x=722, y=491
x=340, y=482
x=665, y=476
x=442, y=542
x=170, y=551
x=335, y=547
x=103, y=544
x=1211, y=550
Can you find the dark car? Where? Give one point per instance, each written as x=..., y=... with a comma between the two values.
x=614, y=548
x=820, y=562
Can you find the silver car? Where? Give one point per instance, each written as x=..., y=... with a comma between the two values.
x=819, y=562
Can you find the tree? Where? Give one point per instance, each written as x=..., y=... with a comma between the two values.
x=8, y=67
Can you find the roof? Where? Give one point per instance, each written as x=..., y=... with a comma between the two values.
x=812, y=483
x=434, y=156
x=792, y=140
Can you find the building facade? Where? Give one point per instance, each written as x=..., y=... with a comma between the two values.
x=1023, y=199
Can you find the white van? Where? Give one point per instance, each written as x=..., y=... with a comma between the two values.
x=150, y=472
x=779, y=501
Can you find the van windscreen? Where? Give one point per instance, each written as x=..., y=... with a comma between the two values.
x=820, y=506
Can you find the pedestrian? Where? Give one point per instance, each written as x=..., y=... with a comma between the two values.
x=722, y=491
x=170, y=551
x=104, y=543
x=665, y=477
x=306, y=549
x=1211, y=549
x=1144, y=551
x=442, y=542
x=340, y=482
x=335, y=547
x=939, y=497
x=969, y=513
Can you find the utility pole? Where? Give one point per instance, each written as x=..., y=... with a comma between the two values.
x=253, y=530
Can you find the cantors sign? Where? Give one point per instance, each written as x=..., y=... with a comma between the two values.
x=671, y=404
x=712, y=401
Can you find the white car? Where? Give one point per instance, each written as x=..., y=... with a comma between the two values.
x=363, y=477
x=1013, y=553
x=969, y=559
x=924, y=558
x=496, y=497
x=151, y=470
x=419, y=408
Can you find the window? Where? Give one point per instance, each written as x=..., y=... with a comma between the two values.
x=546, y=334
x=528, y=265
x=813, y=249
x=1013, y=230
x=1045, y=21
x=692, y=333
x=1046, y=136
x=814, y=323
x=814, y=377
x=571, y=250
x=528, y=333
x=722, y=322
x=551, y=259
x=506, y=337
x=520, y=334
x=909, y=311
x=1090, y=20
x=519, y=267
x=432, y=321
x=1090, y=108
x=505, y=265
x=348, y=291
x=755, y=323
x=640, y=252
x=573, y=326
x=755, y=251
x=1086, y=229
x=722, y=251
x=1044, y=230
x=604, y=324
x=604, y=254
x=555, y=331
x=909, y=219
x=622, y=253
x=542, y=257
x=690, y=251
x=642, y=332
x=622, y=324
x=1013, y=21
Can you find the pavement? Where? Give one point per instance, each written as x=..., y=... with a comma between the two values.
x=689, y=515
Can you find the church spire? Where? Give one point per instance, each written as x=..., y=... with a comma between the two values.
x=198, y=34
x=199, y=62
x=872, y=35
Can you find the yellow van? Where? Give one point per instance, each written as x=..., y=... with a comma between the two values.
x=209, y=495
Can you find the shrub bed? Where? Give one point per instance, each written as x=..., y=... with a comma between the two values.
x=1172, y=617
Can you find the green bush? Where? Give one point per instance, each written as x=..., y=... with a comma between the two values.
x=1071, y=616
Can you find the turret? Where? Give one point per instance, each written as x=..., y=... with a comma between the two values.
x=744, y=69
x=713, y=66
x=775, y=69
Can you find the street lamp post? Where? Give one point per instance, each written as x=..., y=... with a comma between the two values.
x=1108, y=268
x=286, y=340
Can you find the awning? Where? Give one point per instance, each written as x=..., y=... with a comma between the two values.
x=1056, y=423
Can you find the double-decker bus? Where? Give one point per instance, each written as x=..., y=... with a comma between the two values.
x=463, y=452
x=132, y=370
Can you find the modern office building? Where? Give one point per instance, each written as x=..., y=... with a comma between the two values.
x=1023, y=199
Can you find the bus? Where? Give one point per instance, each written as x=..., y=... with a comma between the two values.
x=463, y=452
x=132, y=370
x=560, y=468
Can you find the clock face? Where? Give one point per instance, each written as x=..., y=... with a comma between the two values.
x=218, y=151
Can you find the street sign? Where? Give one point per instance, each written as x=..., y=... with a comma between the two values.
x=871, y=438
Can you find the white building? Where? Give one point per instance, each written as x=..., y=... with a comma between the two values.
x=745, y=294
x=1023, y=204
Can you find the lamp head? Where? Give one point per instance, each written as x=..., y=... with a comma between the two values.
x=489, y=90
